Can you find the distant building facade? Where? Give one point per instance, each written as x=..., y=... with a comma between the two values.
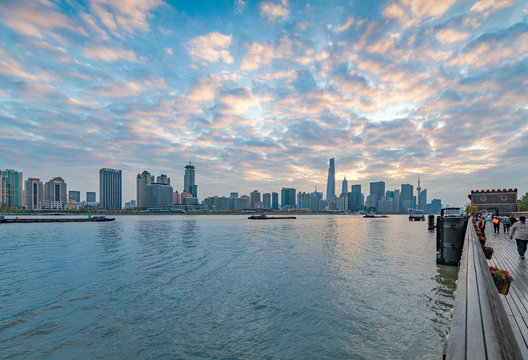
x=159, y=196
x=142, y=180
x=56, y=190
x=189, y=181
x=34, y=191
x=75, y=195
x=254, y=200
x=497, y=201
x=11, y=190
x=288, y=197
x=330, y=184
x=110, y=189
x=266, y=201
x=274, y=201
x=90, y=197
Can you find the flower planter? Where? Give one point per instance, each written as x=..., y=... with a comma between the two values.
x=503, y=288
x=488, y=255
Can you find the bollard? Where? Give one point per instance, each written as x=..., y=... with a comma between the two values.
x=430, y=222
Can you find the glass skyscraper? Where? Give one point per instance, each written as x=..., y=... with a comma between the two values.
x=189, y=182
x=34, y=192
x=11, y=191
x=330, y=184
x=110, y=189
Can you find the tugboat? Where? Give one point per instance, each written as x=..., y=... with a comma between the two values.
x=265, y=217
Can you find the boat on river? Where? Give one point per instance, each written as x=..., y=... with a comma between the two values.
x=265, y=217
x=374, y=216
x=16, y=220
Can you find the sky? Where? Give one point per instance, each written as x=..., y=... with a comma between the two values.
x=260, y=94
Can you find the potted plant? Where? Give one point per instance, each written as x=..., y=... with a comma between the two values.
x=502, y=279
x=488, y=251
x=482, y=239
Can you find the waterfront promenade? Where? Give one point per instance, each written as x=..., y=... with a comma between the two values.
x=516, y=302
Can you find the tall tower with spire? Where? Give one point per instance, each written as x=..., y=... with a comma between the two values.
x=344, y=186
x=418, y=188
x=330, y=184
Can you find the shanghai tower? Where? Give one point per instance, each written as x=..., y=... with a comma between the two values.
x=330, y=184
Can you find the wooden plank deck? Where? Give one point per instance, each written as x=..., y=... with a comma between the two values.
x=481, y=327
x=516, y=302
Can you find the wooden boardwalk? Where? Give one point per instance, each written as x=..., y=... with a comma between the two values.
x=516, y=302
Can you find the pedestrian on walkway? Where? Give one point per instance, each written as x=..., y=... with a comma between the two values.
x=496, y=225
x=506, y=224
x=512, y=220
x=519, y=230
x=482, y=223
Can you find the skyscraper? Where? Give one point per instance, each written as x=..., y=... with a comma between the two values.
x=254, y=200
x=189, y=184
x=406, y=196
x=163, y=179
x=11, y=190
x=142, y=181
x=159, y=196
x=56, y=190
x=355, y=199
x=110, y=189
x=34, y=193
x=344, y=186
x=377, y=189
x=275, y=201
x=422, y=200
x=330, y=184
x=288, y=198
x=266, y=201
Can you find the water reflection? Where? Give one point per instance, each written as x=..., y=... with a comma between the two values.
x=441, y=299
x=189, y=233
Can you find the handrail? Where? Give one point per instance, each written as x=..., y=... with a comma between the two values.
x=480, y=328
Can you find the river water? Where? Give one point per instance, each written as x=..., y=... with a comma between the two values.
x=201, y=287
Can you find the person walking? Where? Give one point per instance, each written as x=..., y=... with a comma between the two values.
x=482, y=223
x=506, y=224
x=496, y=225
x=519, y=231
x=512, y=220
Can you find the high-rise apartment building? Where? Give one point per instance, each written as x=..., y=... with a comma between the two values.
x=275, y=201
x=330, y=184
x=90, y=197
x=189, y=181
x=11, y=190
x=288, y=198
x=34, y=191
x=110, y=189
x=176, y=198
x=254, y=200
x=406, y=196
x=56, y=190
x=377, y=189
x=355, y=199
x=233, y=195
x=142, y=181
x=163, y=179
x=266, y=201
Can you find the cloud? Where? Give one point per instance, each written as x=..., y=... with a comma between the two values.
x=257, y=56
x=273, y=12
x=448, y=36
x=36, y=19
x=107, y=53
x=211, y=48
x=122, y=89
x=124, y=16
x=205, y=88
x=414, y=12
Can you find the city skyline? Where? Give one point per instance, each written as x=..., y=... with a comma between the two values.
x=259, y=95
